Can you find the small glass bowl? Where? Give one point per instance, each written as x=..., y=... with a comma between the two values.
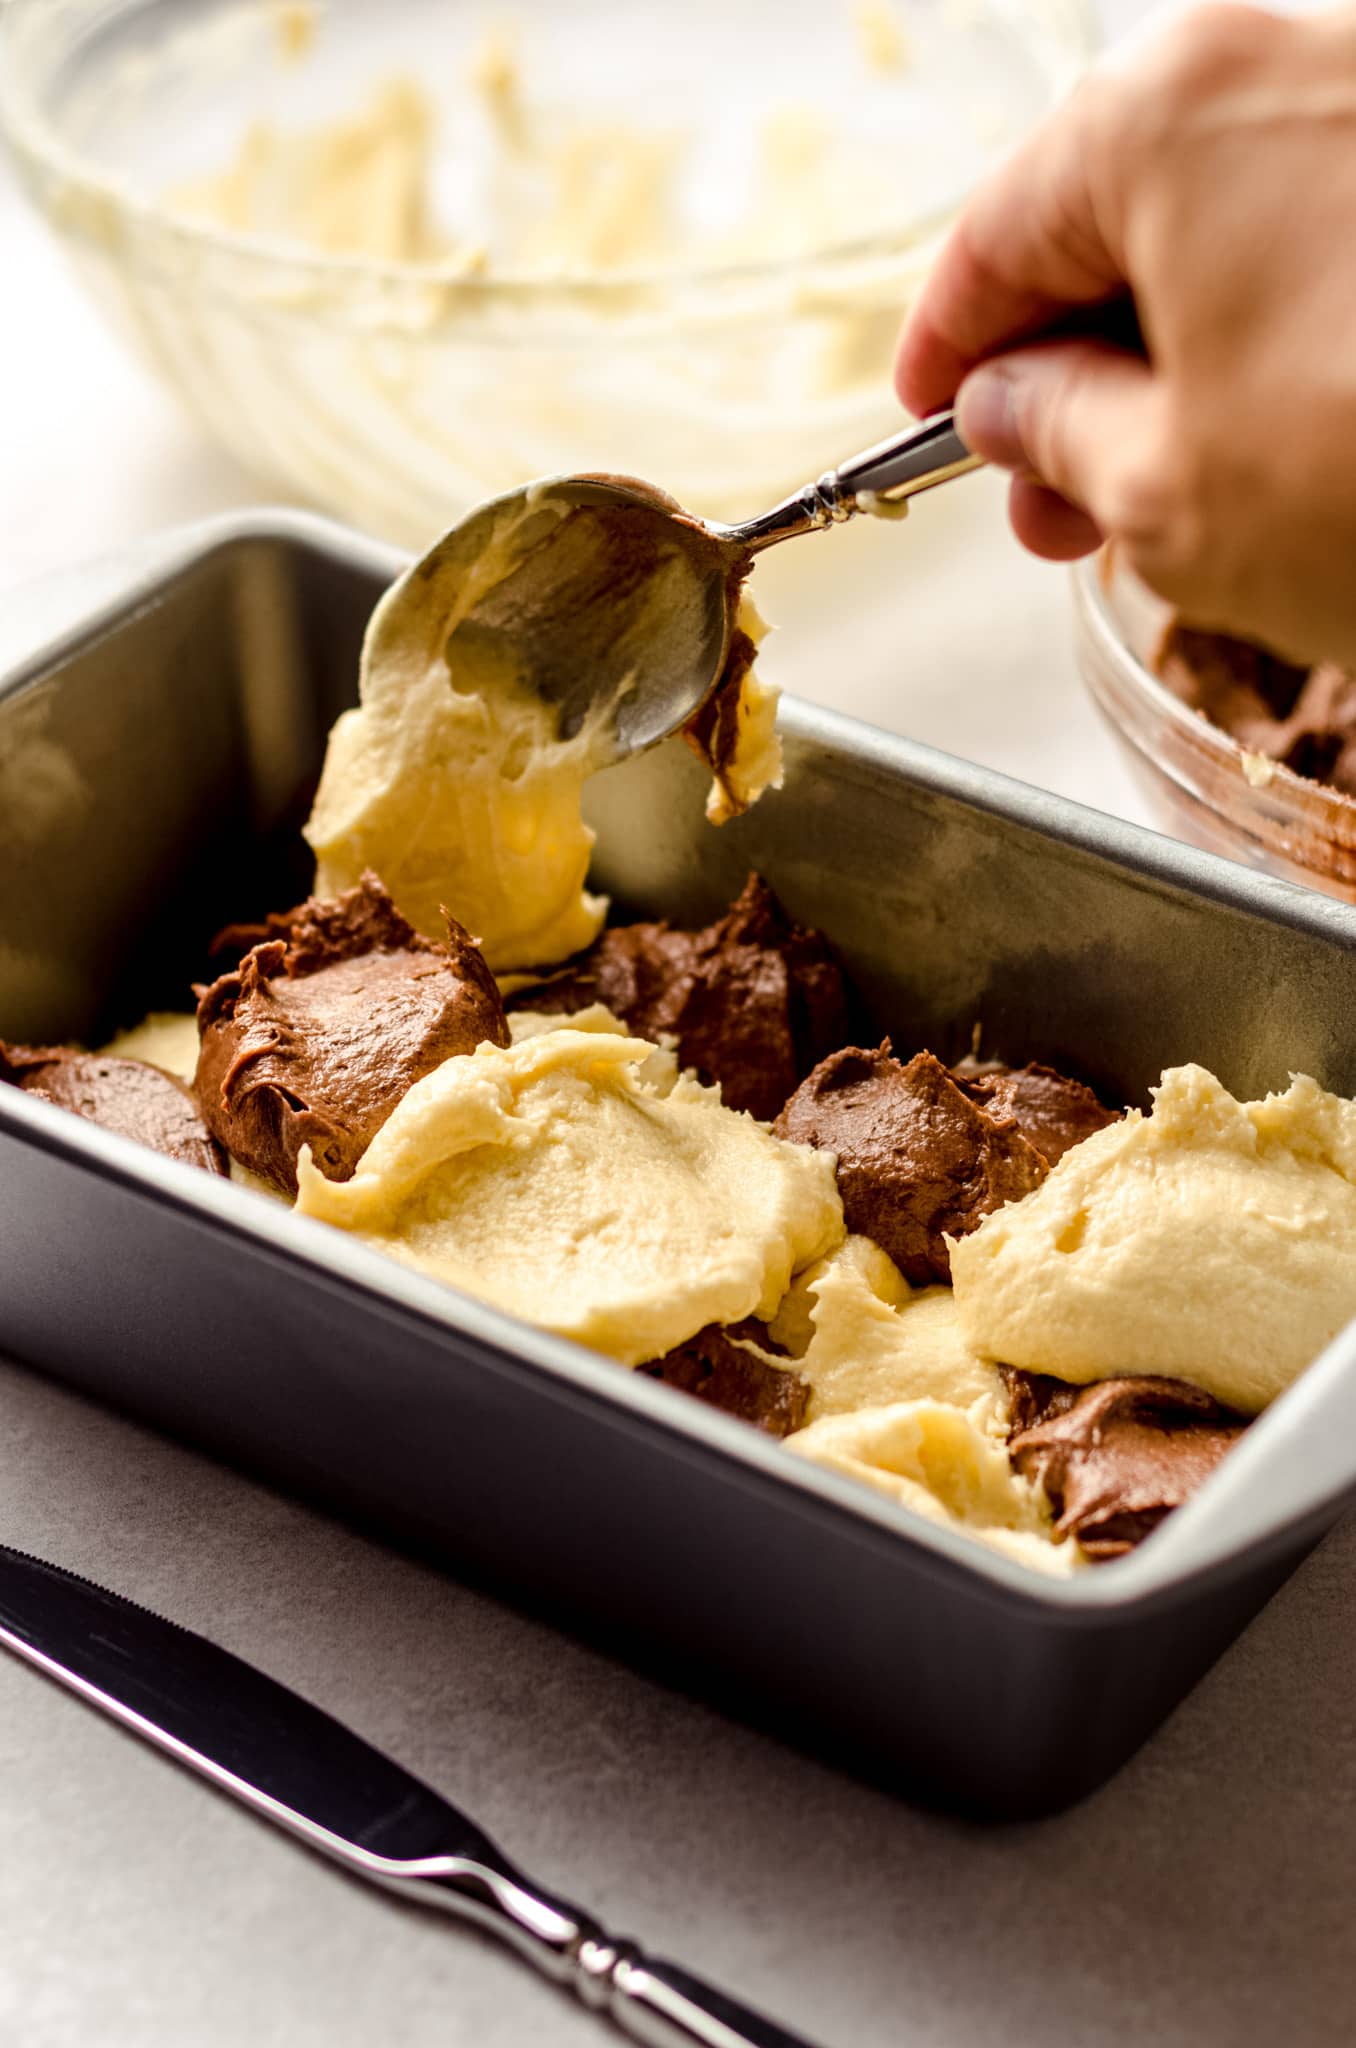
x=396, y=393
x=1201, y=783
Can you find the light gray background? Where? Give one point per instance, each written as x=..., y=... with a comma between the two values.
x=1203, y=1898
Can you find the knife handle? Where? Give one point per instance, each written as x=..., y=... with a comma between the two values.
x=293, y=1765
x=667, y=2007
x=654, y=2001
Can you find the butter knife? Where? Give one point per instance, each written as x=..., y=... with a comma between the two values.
x=300, y=1768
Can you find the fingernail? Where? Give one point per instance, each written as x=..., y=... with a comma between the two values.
x=986, y=414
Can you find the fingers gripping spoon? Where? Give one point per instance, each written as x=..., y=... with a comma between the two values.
x=600, y=591
x=294, y=1765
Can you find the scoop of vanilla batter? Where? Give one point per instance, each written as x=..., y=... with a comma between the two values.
x=549, y=1179
x=1213, y=1241
x=864, y=1338
x=943, y=1463
x=451, y=779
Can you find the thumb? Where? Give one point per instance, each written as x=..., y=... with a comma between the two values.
x=1074, y=414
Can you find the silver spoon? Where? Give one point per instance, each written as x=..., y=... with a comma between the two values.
x=602, y=591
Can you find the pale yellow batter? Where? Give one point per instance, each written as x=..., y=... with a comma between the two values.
x=165, y=1039
x=1213, y=1241
x=946, y=1465
x=356, y=187
x=565, y=195
x=450, y=781
x=881, y=33
x=551, y=1180
x=659, y=1068
x=864, y=1338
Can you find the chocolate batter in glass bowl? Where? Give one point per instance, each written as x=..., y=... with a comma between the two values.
x=1205, y=783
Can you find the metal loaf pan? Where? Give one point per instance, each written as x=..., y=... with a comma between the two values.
x=155, y=761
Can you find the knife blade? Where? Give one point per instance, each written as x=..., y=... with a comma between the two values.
x=295, y=1765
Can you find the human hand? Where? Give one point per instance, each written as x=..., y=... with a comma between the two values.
x=1211, y=173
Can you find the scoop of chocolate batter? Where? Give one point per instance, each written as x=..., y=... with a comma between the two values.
x=315, y=1037
x=1052, y=1112
x=1302, y=717
x=917, y=1160
x=1118, y=1456
x=753, y=999
x=128, y=1096
x=718, y=1369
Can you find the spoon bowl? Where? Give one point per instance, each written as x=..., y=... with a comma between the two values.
x=599, y=593
x=607, y=600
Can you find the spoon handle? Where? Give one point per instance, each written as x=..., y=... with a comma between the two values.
x=930, y=452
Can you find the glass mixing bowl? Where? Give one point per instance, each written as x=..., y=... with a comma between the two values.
x=1200, y=781
x=763, y=191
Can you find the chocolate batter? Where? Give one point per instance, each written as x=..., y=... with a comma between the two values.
x=917, y=1159
x=128, y=1096
x=1052, y=1112
x=734, y=1380
x=713, y=732
x=315, y=1037
x=753, y=999
x=1118, y=1456
x=1302, y=717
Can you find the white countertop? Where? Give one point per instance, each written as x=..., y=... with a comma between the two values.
x=1199, y=1899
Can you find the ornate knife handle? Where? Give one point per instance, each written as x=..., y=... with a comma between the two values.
x=294, y=1765
x=670, y=2008
x=667, y=2007
x=649, y=1998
